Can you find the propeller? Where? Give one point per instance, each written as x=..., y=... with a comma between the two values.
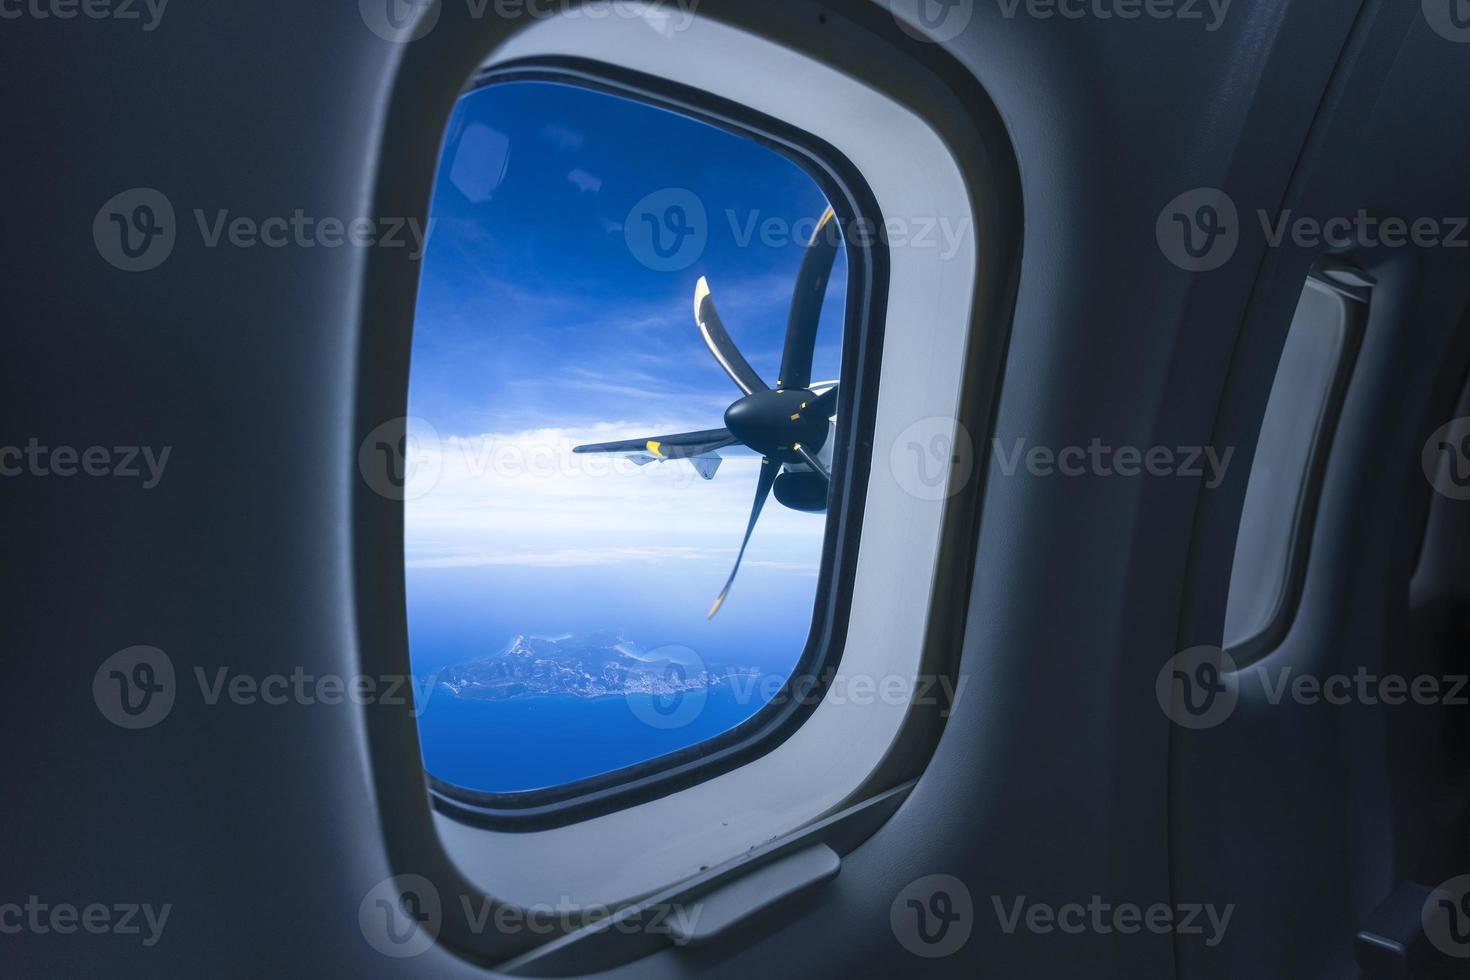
x=806, y=306
x=787, y=425
x=712, y=328
x=762, y=491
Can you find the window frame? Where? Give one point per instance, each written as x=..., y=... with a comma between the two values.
x=864, y=321
x=1354, y=303
x=949, y=153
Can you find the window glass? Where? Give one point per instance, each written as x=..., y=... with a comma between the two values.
x=604, y=304
x=1292, y=433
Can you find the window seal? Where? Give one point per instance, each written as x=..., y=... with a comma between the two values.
x=864, y=315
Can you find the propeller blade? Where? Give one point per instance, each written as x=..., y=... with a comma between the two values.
x=769, y=470
x=806, y=305
x=719, y=343
x=826, y=403
x=684, y=445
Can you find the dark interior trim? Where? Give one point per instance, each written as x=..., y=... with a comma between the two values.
x=1354, y=303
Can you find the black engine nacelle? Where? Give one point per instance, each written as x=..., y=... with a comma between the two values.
x=802, y=491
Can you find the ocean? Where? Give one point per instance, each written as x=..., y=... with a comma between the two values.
x=538, y=741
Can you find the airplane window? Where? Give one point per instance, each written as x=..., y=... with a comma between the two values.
x=1275, y=523
x=625, y=375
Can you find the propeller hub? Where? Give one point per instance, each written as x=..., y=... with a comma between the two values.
x=776, y=423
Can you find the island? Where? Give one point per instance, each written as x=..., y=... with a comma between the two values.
x=593, y=665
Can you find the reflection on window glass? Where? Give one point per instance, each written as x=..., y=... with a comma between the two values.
x=628, y=333
x=1295, y=414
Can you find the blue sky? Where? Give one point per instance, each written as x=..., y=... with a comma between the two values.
x=537, y=329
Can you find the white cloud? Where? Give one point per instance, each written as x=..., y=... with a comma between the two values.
x=480, y=162
x=563, y=137
x=584, y=181
x=524, y=498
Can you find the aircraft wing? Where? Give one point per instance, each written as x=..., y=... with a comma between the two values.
x=684, y=445
x=697, y=447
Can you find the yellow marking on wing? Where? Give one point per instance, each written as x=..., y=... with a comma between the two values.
x=656, y=448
